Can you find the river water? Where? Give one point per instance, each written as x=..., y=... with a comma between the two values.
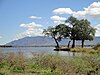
x=29, y=50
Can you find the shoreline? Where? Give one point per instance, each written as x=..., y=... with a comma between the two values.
x=46, y=46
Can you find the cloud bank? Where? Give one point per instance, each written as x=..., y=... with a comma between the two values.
x=63, y=11
x=92, y=11
x=33, y=29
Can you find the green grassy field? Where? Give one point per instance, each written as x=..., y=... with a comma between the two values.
x=49, y=64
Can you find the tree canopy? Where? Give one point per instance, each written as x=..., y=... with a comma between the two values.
x=72, y=23
x=51, y=31
x=76, y=30
x=84, y=31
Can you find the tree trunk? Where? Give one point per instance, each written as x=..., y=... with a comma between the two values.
x=56, y=42
x=82, y=43
x=73, y=44
x=68, y=44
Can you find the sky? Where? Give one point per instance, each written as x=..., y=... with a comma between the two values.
x=22, y=18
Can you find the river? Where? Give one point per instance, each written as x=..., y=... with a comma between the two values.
x=29, y=50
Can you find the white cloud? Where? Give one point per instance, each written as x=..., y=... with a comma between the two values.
x=57, y=18
x=35, y=17
x=97, y=26
x=98, y=29
x=58, y=22
x=92, y=11
x=63, y=11
x=31, y=25
x=79, y=14
x=33, y=29
x=34, y=32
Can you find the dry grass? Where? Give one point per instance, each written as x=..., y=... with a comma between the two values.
x=79, y=49
x=97, y=47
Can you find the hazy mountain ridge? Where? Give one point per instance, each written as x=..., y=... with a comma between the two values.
x=44, y=40
x=31, y=41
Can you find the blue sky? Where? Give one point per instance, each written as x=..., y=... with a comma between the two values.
x=21, y=18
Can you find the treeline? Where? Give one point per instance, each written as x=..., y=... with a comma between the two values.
x=5, y=46
x=73, y=29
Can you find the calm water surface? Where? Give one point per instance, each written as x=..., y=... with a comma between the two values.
x=28, y=50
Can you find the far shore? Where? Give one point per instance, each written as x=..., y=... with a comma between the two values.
x=45, y=46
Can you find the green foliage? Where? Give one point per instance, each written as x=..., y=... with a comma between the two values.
x=84, y=30
x=80, y=30
x=63, y=30
x=51, y=31
x=49, y=64
x=76, y=30
x=58, y=32
x=51, y=73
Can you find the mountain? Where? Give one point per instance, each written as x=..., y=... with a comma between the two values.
x=44, y=40
x=32, y=41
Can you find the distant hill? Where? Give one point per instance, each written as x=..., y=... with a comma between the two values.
x=44, y=40
x=32, y=41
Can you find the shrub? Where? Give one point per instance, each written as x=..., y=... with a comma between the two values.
x=49, y=64
x=97, y=47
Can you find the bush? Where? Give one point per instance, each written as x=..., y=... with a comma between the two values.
x=49, y=64
x=97, y=47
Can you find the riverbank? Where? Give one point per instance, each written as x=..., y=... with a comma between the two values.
x=45, y=46
x=48, y=64
x=94, y=49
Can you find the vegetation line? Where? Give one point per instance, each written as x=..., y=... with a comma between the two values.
x=48, y=64
x=4, y=46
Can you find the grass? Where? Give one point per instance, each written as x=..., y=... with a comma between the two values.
x=95, y=49
x=49, y=64
x=87, y=50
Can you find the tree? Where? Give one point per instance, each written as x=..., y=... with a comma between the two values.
x=72, y=22
x=77, y=30
x=84, y=31
x=80, y=30
x=50, y=31
x=58, y=32
x=63, y=31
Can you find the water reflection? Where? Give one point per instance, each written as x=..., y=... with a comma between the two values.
x=29, y=50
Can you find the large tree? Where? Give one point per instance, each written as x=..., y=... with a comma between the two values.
x=80, y=30
x=84, y=31
x=76, y=30
x=58, y=32
x=51, y=31
x=72, y=23
x=63, y=31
